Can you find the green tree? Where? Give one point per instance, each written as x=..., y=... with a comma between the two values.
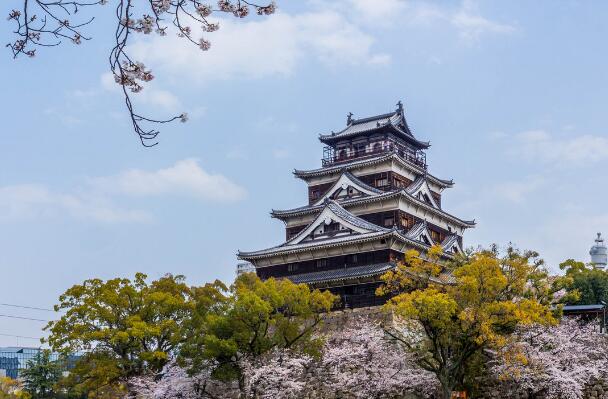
x=41, y=375
x=590, y=283
x=124, y=328
x=489, y=297
x=250, y=319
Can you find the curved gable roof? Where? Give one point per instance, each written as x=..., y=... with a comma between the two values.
x=420, y=185
x=394, y=122
x=345, y=180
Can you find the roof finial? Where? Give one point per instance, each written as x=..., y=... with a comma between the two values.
x=400, y=107
x=599, y=238
x=349, y=118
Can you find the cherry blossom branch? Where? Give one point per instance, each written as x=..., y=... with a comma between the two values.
x=46, y=23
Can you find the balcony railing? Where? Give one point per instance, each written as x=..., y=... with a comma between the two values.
x=332, y=156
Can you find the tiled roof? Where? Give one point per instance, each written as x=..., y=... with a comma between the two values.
x=574, y=308
x=415, y=185
x=334, y=241
x=416, y=230
x=352, y=181
x=342, y=274
x=370, y=231
x=448, y=241
x=354, y=220
x=371, y=161
x=359, y=182
x=394, y=120
x=308, y=209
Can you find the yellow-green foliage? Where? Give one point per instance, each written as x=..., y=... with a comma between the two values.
x=490, y=297
x=126, y=327
x=250, y=319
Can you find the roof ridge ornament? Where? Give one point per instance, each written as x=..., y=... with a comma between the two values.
x=349, y=118
x=400, y=107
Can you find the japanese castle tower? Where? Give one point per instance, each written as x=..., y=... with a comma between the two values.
x=371, y=201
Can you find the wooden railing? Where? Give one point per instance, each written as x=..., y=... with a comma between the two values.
x=332, y=157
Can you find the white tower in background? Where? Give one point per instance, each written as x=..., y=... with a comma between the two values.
x=599, y=253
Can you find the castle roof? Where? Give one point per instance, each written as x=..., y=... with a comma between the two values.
x=393, y=122
x=346, y=180
x=353, y=229
x=408, y=193
x=451, y=243
x=334, y=275
x=369, y=161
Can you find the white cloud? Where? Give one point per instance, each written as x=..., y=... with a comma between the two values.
x=185, y=178
x=259, y=48
x=32, y=201
x=336, y=33
x=468, y=22
x=518, y=191
x=471, y=25
x=378, y=11
x=97, y=200
x=539, y=145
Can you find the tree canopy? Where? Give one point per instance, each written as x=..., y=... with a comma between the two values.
x=250, y=319
x=589, y=283
x=123, y=328
x=41, y=375
x=455, y=322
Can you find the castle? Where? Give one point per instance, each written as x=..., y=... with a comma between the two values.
x=371, y=200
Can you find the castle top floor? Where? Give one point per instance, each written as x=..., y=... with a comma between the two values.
x=366, y=137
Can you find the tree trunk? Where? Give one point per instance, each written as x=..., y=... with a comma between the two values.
x=448, y=383
x=242, y=393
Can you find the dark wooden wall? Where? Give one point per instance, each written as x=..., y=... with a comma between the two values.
x=336, y=262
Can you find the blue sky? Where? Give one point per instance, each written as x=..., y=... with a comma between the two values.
x=512, y=96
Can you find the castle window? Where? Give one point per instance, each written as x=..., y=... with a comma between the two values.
x=321, y=263
x=382, y=182
x=292, y=267
x=315, y=194
x=359, y=149
x=333, y=227
x=389, y=221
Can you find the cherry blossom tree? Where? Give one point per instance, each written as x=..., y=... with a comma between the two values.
x=49, y=23
x=173, y=383
x=282, y=374
x=357, y=361
x=557, y=362
x=362, y=360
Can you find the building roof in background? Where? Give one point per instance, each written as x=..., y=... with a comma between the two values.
x=571, y=308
